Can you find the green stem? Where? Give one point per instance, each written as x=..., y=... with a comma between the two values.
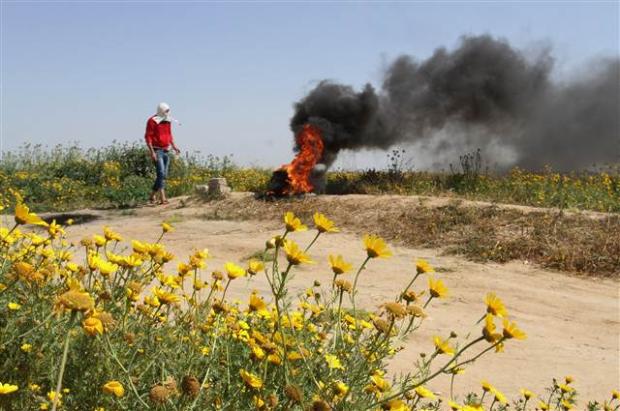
x=430, y=377
x=408, y=286
x=63, y=363
x=133, y=387
x=204, y=380
x=339, y=319
x=353, y=290
x=452, y=385
x=479, y=355
x=278, y=296
x=30, y=331
x=313, y=241
x=225, y=289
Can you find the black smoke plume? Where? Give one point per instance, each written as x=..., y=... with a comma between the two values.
x=484, y=94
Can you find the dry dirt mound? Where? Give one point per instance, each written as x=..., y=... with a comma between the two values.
x=572, y=322
x=579, y=242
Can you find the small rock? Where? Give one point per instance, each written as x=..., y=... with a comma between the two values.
x=217, y=188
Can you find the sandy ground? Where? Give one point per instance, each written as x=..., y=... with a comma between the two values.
x=573, y=323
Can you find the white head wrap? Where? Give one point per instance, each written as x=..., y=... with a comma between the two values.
x=163, y=113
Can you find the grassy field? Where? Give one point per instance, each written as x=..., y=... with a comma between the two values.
x=109, y=323
x=121, y=175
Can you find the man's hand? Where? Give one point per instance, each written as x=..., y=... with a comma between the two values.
x=153, y=156
x=176, y=150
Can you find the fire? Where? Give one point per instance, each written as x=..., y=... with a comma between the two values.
x=310, y=145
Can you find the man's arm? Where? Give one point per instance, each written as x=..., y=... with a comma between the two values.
x=174, y=146
x=148, y=137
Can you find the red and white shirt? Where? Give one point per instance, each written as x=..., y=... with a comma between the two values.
x=158, y=135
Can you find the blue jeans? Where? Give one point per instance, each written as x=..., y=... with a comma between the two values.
x=162, y=163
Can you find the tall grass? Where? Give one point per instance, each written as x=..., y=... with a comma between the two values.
x=121, y=175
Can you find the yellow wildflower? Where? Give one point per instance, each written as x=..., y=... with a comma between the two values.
x=114, y=387
x=437, y=288
x=106, y=268
x=527, y=394
x=324, y=224
x=422, y=266
x=379, y=382
x=339, y=266
x=54, y=396
x=14, y=306
x=99, y=240
x=257, y=352
x=495, y=306
x=293, y=223
x=443, y=347
x=511, y=331
x=499, y=397
x=76, y=301
x=488, y=331
x=424, y=392
x=376, y=247
x=24, y=216
x=395, y=309
x=274, y=359
x=396, y=405
x=343, y=285
x=169, y=280
x=258, y=402
x=333, y=362
x=110, y=235
x=7, y=388
x=26, y=347
x=566, y=405
x=453, y=405
x=255, y=267
x=166, y=228
x=183, y=269
x=257, y=303
x=166, y=297
x=341, y=388
x=139, y=247
x=152, y=300
x=416, y=311
x=294, y=254
x=132, y=261
x=233, y=270
x=55, y=229
x=93, y=326
x=486, y=386
x=251, y=380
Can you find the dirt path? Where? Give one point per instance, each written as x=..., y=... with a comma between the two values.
x=573, y=324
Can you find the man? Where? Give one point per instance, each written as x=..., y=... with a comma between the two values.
x=159, y=139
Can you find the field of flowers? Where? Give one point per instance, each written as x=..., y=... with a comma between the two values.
x=109, y=324
x=121, y=175
x=68, y=177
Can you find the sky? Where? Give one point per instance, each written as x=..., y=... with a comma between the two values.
x=92, y=72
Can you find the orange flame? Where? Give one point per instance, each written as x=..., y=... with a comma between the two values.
x=311, y=150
